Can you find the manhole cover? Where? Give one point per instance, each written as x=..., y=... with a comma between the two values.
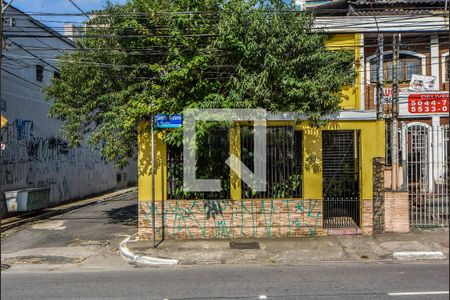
x=5, y=266
x=242, y=245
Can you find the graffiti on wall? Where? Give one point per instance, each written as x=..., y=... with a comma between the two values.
x=32, y=160
x=224, y=219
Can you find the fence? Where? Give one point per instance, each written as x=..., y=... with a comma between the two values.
x=283, y=162
x=427, y=174
x=210, y=164
x=341, y=204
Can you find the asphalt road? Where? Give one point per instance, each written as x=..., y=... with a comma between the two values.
x=74, y=255
x=335, y=281
x=103, y=222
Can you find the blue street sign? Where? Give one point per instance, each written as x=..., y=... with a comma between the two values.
x=168, y=121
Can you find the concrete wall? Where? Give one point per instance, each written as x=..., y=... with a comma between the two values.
x=34, y=155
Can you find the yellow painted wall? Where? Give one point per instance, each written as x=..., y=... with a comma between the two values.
x=145, y=165
x=351, y=42
x=372, y=144
x=235, y=148
x=312, y=161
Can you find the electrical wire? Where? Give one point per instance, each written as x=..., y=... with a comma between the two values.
x=85, y=14
x=211, y=12
x=145, y=64
x=149, y=48
x=17, y=76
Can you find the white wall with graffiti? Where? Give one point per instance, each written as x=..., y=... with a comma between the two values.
x=34, y=155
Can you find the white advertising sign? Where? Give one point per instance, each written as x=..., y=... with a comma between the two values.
x=420, y=83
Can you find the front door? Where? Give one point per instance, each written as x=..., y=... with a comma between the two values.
x=340, y=157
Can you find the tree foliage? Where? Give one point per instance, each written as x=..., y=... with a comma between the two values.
x=162, y=56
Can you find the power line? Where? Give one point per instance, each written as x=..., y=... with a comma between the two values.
x=216, y=12
x=85, y=14
x=21, y=61
x=20, y=28
x=31, y=53
x=381, y=19
x=145, y=64
x=112, y=36
x=156, y=49
x=17, y=76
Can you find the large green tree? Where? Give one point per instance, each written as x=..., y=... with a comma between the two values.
x=162, y=56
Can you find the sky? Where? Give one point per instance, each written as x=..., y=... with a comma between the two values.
x=59, y=6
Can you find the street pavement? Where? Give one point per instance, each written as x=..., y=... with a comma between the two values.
x=75, y=255
x=295, y=251
x=87, y=238
x=332, y=281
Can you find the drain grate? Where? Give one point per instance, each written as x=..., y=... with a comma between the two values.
x=244, y=245
x=5, y=267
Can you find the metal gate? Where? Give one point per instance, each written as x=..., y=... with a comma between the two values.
x=427, y=174
x=341, y=207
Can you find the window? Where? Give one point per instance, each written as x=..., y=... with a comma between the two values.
x=408, y=65
x=56, y=74
x=283, y=162
x=39, y=73
x=210, y=164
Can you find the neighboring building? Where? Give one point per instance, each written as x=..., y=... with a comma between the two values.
x=308, y=4
x=34, y=155
x=423, y=111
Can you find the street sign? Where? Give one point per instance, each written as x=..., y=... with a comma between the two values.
x=163, y=121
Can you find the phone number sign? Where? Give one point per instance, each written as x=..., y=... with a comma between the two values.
x=429, y=103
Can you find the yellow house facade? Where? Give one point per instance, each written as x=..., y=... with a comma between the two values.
x=335, y=171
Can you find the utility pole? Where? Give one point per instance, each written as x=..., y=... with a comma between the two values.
x=394, y=123
x=2, y=12
x=380, y=77
x=1, y=46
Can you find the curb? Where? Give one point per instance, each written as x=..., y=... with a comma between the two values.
x=419, y=255
x=54, y=211
x=131, y=257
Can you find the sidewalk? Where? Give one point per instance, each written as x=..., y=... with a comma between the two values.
x=298, y=250
x=10, y=222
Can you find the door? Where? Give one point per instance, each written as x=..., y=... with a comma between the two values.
x=340, y=156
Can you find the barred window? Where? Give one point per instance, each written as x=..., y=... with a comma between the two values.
x=283, y=162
